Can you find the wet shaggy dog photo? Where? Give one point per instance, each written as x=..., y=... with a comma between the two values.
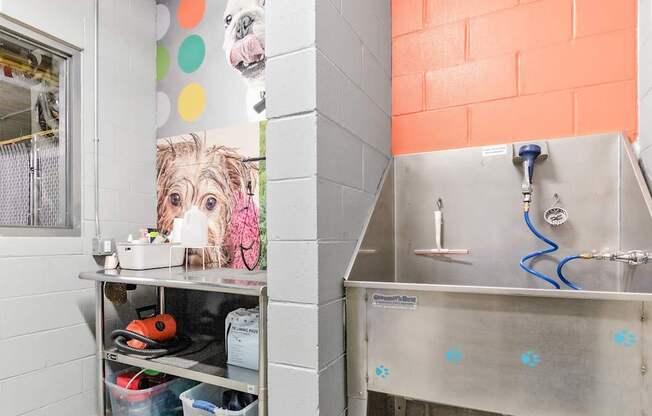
x=214, y=178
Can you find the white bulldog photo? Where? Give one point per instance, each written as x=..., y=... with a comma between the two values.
x=244, y=45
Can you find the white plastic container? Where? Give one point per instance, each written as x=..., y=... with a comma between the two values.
x=206, y=400
x=161, y=400
x=142, y=256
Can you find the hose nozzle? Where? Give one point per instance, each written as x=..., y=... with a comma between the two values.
x=529, y=153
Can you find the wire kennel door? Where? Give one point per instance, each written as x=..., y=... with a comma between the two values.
x=31, y=175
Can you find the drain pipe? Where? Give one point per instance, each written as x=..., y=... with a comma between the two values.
x=101, y=246
x=96, y=106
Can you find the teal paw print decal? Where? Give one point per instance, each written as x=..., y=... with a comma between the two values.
x=625, y=338
x=531, y=359
x=454, y=356
x=382, y=371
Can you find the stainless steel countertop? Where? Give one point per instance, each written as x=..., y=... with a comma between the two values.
x=236, y=281
x=504, y=291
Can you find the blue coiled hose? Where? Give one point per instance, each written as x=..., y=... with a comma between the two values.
x=561, y=274
x=553, y=248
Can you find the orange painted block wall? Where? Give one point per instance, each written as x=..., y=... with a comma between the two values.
x=480, y=72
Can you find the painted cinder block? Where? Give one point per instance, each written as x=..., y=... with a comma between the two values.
x=290, y=26
x=543, y=115
x=292, y=209
x=375, y=81
x=45, y=312
x=602, y=108
x=294, y=334
x=408, y=94
x=605, y=16
x=292, y=147
x=339, y=154
x=291, y=83
x=407, y=16
x=334, y=258
x=475, y=81
x=28, y=392
x=294, y=391
x=524, y=27
x=356, y=208
x=417, y=132
x=297, y=279
x=337, y=40
x=374, y=163
x=582, y=62
x=332, y=392
x=434, y=48
x=439, y=12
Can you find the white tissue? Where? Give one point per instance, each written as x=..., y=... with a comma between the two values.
x=195, y=228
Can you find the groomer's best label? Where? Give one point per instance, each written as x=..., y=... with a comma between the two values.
x=497, y=150
x=394, y=301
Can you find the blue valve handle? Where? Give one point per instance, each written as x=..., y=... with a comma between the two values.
x=529, y=154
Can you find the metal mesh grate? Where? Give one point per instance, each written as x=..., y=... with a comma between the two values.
x=49, y=199
x=15, y=184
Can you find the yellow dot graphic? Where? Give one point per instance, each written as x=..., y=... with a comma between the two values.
x=192, y=102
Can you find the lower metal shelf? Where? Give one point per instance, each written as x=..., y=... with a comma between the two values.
x=205, y=362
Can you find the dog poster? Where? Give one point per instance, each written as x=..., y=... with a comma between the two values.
x=210, y=64
x=226, y=183
x=211, y=109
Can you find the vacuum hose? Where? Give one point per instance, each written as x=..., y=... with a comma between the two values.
x=553, y=248
x=154, y=349
x=151, y=337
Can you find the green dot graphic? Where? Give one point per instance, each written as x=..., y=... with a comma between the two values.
x=162, y=61
x=191, y=53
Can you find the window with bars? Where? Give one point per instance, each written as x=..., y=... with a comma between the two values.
x=39, y=85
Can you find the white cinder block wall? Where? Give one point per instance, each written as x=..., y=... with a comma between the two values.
x=328, y=143
x=47, y=347
x=645, y=84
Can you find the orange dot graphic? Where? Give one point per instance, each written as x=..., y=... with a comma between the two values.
x=190, y=13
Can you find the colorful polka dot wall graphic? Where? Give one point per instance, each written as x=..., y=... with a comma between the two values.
x=200, y=65
x=162, y=20
x=190, y=13
x=191, y=53
x=191, y=102
x=162, y=108
x=162, y=61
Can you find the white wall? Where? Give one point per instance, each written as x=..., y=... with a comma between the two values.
x=47, y=364
x=328, y=143
x=645, y=84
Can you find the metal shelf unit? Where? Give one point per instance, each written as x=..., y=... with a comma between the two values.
x=207, y=364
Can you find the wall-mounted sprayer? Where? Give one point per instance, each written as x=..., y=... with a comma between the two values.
x=528, y=155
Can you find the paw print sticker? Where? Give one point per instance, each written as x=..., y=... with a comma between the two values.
x=625, y=338
x=454, y=356
x=382, y=371
x=531, y=359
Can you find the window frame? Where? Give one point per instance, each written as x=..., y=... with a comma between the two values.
x=72, y=58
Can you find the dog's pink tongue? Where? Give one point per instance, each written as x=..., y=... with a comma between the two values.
x=246, y=50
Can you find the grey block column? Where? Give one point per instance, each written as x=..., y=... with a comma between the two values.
x=328, y=143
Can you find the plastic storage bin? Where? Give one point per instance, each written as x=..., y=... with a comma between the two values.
x=161, y=400
x=206, y=400
x=149, y=256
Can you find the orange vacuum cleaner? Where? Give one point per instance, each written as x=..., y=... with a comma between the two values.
x=154, y=336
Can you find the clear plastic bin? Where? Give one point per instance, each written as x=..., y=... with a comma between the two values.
x=205, y=400
x=161, y=400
